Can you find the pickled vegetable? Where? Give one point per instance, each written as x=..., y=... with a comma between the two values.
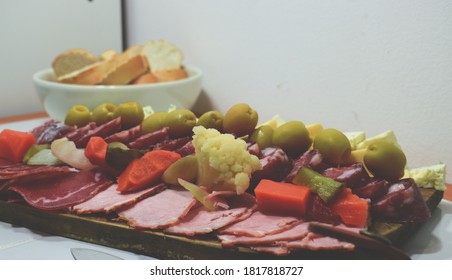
x=153, y=122
x=325, y=187
x=78, y=115
x=262, y=136
x=211, y=119
x=131, y=114
x=103, y=113
x=34, y=149
x=180, y=122
x=292, y=137
x=185, y=168
x=146, y=170
x=44, y=157
x=333, y=145
x=120, y=156
x=385, y=160
x=240, y=120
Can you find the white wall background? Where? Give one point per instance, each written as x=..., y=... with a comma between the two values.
x=351, y=65
x=33, y=33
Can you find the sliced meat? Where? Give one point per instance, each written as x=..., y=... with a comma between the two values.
x=202, y=221
x=33, y=171
x=51, y=130
x=44, y=172
x=314, y=242
x=172, y=144
x=63, y=191
x=161, y=210
x=219, y=198
x=79, y=132
x=353, y=175
x=260, y=224
x=110, y=200
x=318, y=210
x=374, y=189
x=5, y=163
x=253, y=149
x=102, y=130
x=402, y=203
x=295, y=233
x=186, y=150
x=275, y=165
x=125, y=136
x=311, y=159
x=275, y=250
x=150, y=139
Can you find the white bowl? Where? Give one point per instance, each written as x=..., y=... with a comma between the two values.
x=57, y=98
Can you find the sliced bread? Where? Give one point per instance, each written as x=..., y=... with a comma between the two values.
x=130, y=65
x=90, y=75
x=72, y=60
x=162, y=55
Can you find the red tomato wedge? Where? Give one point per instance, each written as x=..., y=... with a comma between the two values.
x=14, y=144
x=353, y=210
x=282, y=198
x=146, y=170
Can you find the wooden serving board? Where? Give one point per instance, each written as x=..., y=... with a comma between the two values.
x=105, y=231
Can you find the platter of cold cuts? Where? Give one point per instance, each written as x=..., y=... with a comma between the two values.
x=173, y=185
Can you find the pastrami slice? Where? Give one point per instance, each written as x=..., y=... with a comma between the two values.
x=63, y=191
x=260, y=224
x=161, y=210
x=202, y=221
x=295, y=233
x=110, y=200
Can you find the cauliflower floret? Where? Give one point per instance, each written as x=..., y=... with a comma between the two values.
x=224, y=162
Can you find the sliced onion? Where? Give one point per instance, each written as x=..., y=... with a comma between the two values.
x=67, y=152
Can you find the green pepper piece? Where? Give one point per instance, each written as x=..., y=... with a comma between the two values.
x=325, y=187
x=119, y=155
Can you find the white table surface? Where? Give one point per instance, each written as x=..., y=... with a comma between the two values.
x=433, y=241
x=18, y=243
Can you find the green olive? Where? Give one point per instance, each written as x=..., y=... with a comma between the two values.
x=103, y=113
x=211, y=119
x=180, y=122
x=240, y=120
x=263, y=136
x=78, y=115
x=292, y=137
x=131, y=114
x=153, y=122
x=385, y=160
x=185, y=168
x=333, y=145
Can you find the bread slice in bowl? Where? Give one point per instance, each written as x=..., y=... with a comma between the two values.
x=92, y=74
x=130, y=65
x=165, y=60
x=71, y=60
